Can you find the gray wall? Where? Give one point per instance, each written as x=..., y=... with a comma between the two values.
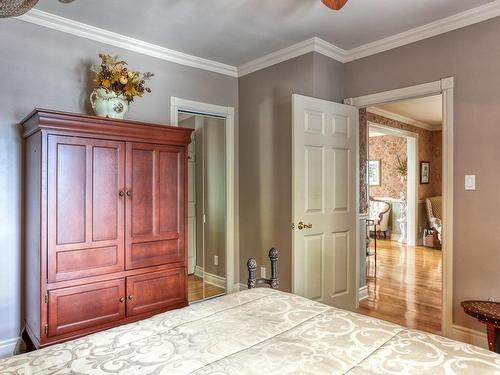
x=265, y=99
x=49, y=69
x=471, y=55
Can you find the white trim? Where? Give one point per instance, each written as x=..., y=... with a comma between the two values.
x=178, y=104
x=238, y=287
x=310, y=45
x=210, y=278
x=454, y=22
x=363, y=293
x=457, y=21
x=471, y=336
x=446, y=87
x=7, y=347
x=403, y=119
x=83, y=30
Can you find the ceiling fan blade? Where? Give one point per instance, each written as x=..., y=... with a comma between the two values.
x=334, y=4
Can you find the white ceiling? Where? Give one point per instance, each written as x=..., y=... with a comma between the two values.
x=428, y=110
x=235, y=32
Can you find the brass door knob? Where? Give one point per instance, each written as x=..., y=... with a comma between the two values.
x=301, y=225
x=122, y=299
x=131, y=297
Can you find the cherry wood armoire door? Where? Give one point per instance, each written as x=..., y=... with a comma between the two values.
x=85, y=207
x=155, y=291
x=155, y=205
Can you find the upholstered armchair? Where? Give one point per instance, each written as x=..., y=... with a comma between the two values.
x=379, y=213
x=434, y=213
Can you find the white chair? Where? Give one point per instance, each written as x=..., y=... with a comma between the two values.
x=434, y=213
x=379, y=213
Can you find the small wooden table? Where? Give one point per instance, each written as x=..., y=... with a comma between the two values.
x=487, y=313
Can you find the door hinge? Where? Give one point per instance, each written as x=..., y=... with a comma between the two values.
x=47, y=298
x=293, y=225
x=46, y=328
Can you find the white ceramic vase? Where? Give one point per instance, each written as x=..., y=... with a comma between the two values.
x=107, y=103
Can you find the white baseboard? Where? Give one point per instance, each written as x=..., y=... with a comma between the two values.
x=470, y=336
x=7, y=347
x=238, y=287
x=210, y=278
x=363, y=292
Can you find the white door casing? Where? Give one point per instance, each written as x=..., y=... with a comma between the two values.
x=325, y=191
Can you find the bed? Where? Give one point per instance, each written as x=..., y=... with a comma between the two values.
x=257, y=331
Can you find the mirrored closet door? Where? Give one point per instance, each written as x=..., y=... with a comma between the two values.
x=206, y=206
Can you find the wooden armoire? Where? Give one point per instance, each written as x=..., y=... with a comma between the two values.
x=104, y=223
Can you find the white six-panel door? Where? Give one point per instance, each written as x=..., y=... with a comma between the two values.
x=325, y=187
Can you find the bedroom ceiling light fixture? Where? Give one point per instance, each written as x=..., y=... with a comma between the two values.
x=334, y=4
x=15, y=8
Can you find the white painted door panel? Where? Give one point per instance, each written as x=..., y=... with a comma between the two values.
x=325, y=187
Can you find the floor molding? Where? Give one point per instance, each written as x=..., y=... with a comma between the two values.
x=315, y=44
x=363, y=292
x=7, y=347
x=470, y=336
x=210, y=278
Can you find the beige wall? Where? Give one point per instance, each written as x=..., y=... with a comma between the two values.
x=49, y=69
x=471, y=55
x=265, y=99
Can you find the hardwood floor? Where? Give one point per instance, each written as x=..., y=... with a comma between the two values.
x=195, y=289
x=407, y=288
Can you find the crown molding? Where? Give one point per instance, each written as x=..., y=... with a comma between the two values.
x=463, y=19
x=310, y=45
x=83, y=30
x=403, y=119
x=457, y=21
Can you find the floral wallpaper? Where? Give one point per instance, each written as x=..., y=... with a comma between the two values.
x=430, y=144
x=387, y=149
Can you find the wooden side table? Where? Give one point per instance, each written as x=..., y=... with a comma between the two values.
x=487, y=313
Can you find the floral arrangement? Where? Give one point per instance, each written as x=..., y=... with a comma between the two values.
x=402, y=167
x=112, y=74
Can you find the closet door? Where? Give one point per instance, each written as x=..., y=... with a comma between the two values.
x=155, y=218
x=85, y=207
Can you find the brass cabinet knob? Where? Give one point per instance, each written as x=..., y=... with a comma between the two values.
x=122, y=299
x=131, y=297
x=129, y=193
x=301, y=226
x=121, y=193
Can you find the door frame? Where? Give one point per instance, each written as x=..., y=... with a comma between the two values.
x=445, y=87
x=179, y=104
x=412, y=181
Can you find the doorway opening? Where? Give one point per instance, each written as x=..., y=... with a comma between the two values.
x=403, y=281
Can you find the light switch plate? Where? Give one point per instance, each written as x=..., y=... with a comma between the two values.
x=470, y=182
x=216, y=260
x=263, y=272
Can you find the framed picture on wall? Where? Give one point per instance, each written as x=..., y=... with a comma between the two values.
x=374, y=172
x=425, y=172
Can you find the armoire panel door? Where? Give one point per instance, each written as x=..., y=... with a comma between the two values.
x=86, y=306
x=155, y=291
x=155, y=205
x=85, y=207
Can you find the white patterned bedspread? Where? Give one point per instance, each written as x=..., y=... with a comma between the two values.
x=259, y=331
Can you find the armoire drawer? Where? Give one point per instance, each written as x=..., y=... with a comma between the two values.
x=81, y=307
x=155, y=291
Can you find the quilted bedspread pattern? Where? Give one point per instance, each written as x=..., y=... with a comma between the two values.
x=259, y=331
